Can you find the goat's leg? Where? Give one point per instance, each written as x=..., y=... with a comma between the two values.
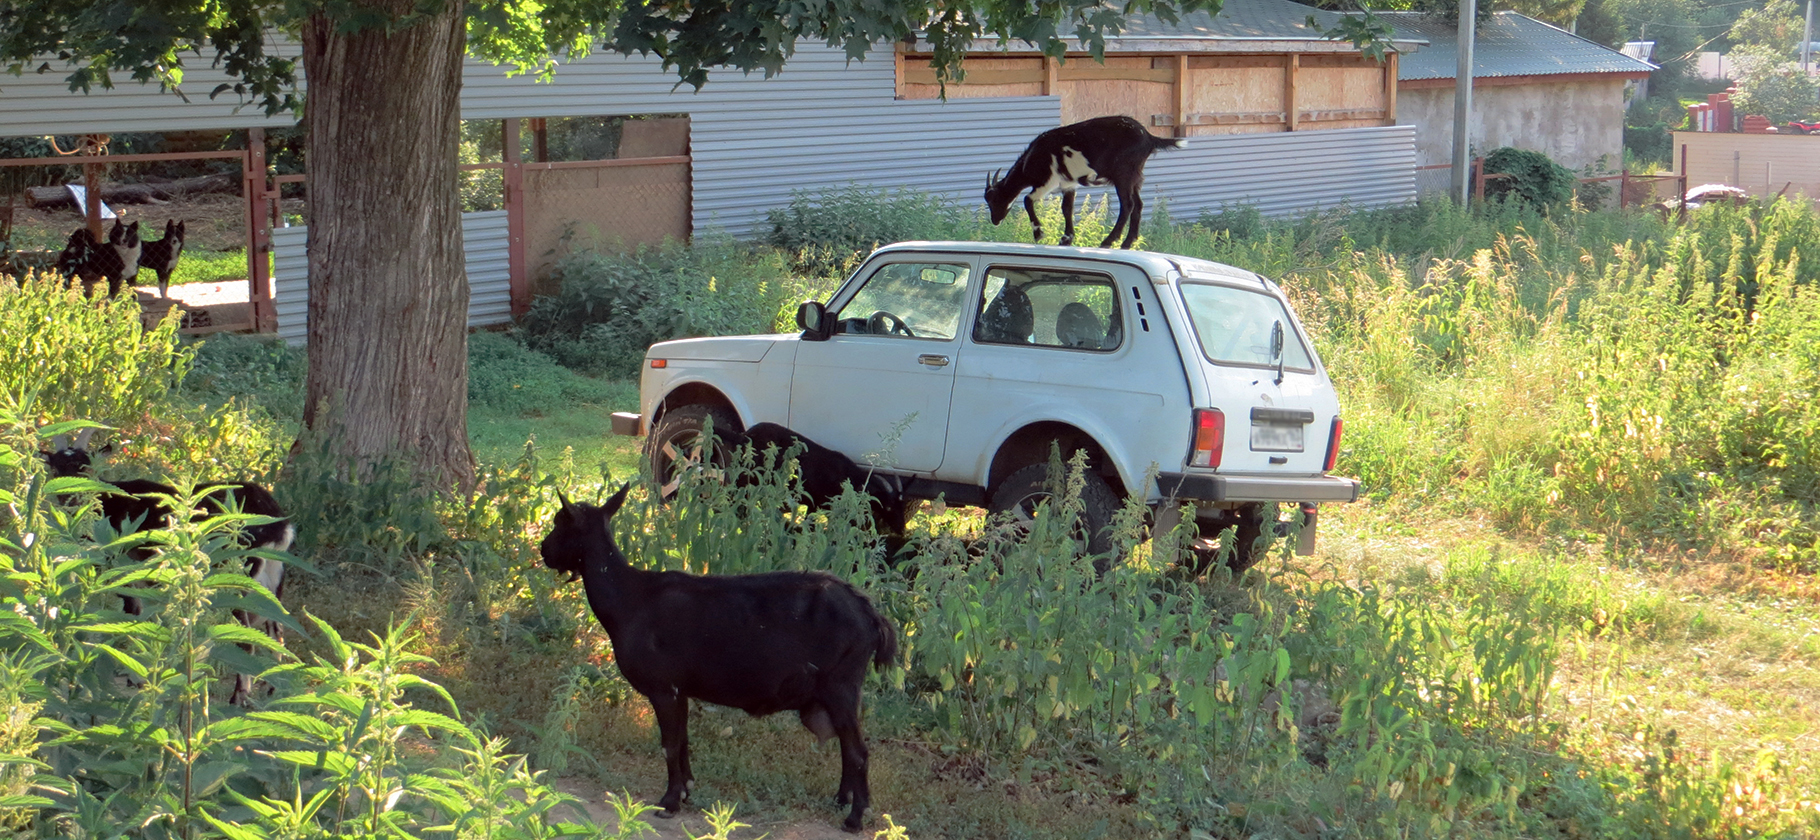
x=1067, y=218
x=1036, y=227
x=1127, y=200
x=853, y=756
x=1137, y=213
x=843, y=712
x=672, y=714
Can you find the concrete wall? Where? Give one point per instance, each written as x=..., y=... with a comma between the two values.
x=1573, y=122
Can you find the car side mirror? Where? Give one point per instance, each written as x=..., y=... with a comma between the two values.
x=813, y=318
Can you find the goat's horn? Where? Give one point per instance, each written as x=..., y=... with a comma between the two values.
x=82, y=437
x=564, y=499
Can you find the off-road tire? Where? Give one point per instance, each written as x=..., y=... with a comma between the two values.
x=674, y=438
x=1028, y=487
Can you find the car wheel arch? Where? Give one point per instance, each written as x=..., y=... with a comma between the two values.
x=694, y=393
x=1029, y=444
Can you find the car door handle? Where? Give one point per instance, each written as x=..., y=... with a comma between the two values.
x=933, y=359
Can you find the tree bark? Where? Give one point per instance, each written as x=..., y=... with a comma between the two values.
x=388, y=286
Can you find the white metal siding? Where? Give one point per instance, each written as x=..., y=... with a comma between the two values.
x=37, y=104
x=1286, y=172
x=483, y=238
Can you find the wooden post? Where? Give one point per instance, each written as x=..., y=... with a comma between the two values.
x=518, y=271
x=1623, y=185
x=1051, y=76
x=1182, y=95
x=1390, y=89
x=1681, y=189
x=258, y=191
x=91, y=199
x=1478, y=179
x=1292, y=63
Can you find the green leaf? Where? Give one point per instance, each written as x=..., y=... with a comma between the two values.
x=338, y=764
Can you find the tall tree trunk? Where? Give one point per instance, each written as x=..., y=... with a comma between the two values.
x=388, y=334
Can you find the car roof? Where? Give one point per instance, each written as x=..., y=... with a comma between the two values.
x=1157, y=265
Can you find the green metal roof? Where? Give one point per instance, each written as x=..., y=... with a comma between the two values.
x=1508, y=44
x=1270, y=20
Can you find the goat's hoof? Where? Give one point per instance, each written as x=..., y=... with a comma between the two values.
x=851, y=824
x=668, y=813
x=1066, y=240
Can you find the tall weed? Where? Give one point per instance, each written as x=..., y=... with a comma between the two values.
x=66, y=356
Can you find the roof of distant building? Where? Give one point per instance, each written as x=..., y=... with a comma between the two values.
x=1507, y=44
x=1240, y=26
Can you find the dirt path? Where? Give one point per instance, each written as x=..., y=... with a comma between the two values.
x=691, y=820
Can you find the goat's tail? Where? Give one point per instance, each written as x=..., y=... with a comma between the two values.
x=886, y=651
x=1160, y=143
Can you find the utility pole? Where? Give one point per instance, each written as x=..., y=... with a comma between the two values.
x=1807, y=39
x=1462, y=103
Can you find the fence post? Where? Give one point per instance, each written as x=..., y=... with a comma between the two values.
x=518, y=273
x=1681, y=194
x=1478, y=179
x=258, y=233
x=1623, y=186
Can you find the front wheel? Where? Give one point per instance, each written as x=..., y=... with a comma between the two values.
x=676, y=446
x=1024, y=490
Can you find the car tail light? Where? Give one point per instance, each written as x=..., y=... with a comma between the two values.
x=1209, y=437
x=1333, y=445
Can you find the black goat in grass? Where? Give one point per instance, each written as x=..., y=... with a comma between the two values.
x=761, y=643
x=1090, y=153
x=824, y=471
x=139, y=506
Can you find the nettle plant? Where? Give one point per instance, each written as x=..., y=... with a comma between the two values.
x=118, y=723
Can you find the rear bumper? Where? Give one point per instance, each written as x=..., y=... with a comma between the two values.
x=1257, y=488
x=627, y=423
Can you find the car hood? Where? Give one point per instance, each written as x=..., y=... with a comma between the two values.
x=738, y=348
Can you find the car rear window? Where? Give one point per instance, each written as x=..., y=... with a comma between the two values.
x=1234, y=326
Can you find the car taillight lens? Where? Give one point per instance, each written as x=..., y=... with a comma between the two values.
x=1333, y=445
x=1209, y=437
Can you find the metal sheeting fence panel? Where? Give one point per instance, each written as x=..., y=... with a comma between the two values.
x=483, y=237
x=748, y=164
x=822, y=123
x=1286, y=172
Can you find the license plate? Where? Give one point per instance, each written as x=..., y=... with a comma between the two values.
x=1276, y=437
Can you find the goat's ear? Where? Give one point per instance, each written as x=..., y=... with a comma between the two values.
x=619, y=498
x=566, y=506
x=82, y=437
x=59, y=443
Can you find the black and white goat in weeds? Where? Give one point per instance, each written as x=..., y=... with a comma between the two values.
x=762, y=643
x=143, y=505
x=1090, y=153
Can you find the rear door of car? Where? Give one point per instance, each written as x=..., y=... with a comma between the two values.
x=1094, y=354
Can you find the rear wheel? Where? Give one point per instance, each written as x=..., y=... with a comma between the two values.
x=675, y=445
x=1024, y=490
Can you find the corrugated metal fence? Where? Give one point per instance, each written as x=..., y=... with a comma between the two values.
x=483, y=236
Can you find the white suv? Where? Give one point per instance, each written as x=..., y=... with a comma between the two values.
x=959, y=364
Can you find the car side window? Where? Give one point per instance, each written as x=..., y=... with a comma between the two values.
x=908, y=300
x=1049, y=308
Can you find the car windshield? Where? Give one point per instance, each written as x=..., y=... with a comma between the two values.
x=1236, y=326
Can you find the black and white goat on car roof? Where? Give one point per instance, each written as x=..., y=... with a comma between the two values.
x=1090, y=153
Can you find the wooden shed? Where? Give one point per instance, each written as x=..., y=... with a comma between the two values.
x=1256, y=67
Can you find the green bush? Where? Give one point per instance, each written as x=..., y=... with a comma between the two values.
x=824, y=231
x=1533, y=178
x=610, y=307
